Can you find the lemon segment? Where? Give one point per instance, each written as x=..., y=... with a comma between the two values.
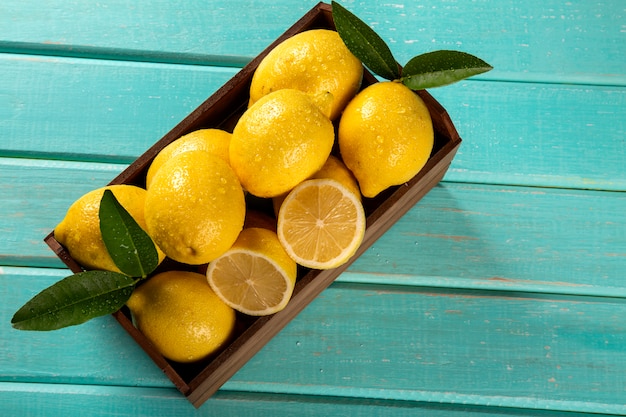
x=255, y=276
x=181, y=316
x=321, y=224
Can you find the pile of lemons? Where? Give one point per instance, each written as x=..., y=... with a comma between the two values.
x=311, y=141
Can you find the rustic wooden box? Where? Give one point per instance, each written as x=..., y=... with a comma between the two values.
x=200, y=380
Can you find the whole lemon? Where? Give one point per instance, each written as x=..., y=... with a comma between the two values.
x=79, y=231
x=316, y=62
x=280, y=141
x=181, y=315
x=195, y=207
x=385, y=136
x=215, y=141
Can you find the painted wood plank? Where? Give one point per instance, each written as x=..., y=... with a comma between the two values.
x=514, y=133
x=81, y=109
x=510, y=238
x=77, y=401
x=380, y=341
x=459, y=235
x=498, y=349
x=386, y=342
x=34, y=196
x=539, y=40
x=98, y=352
x=538, y=134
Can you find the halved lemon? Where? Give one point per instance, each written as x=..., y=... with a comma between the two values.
x=255, y=276
x=321, y=223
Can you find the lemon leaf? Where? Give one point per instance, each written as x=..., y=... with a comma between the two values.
x=130, y=247
x=439, y=68
x=364, y=43
x=74, y=300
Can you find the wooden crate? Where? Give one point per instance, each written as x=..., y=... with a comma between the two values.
x=200, y=380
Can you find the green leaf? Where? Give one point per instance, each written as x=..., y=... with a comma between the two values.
x=439, y=68
x=129, y=245
x=74, y=300
x=364, y=43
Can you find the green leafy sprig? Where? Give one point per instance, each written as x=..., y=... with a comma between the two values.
x=86, y=295
x=428, y=70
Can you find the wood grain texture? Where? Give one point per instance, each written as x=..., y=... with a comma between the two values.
x=499, y=349
x=497, y=237
x=569, y=136
x=538, y=40
x=80, y=109
x=514, y=133
x=73, y=355
x=34, y=196
x=515, y=238
x=77, y=400
x=500, y=294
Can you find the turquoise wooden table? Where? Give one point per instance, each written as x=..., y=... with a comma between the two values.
x=501, y=293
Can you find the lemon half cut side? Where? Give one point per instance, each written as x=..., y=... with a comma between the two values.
x=321, y=223
x=256, y=276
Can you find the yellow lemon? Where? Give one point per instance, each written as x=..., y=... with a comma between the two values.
x=316, y=62
x=255, y=276
x=195, y=207
x=385, y=136
x=215, y=141
x=181, y=316
x=321, y=223
x=280, y=141
x=79, y=231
